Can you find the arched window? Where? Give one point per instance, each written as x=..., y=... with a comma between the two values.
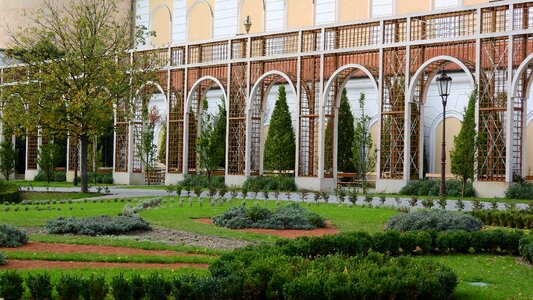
x=200, y=21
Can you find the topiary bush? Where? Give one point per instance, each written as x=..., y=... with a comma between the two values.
x=69, y=287
x=520, y=190
x=438, y=220
x=426, y=187
x=290, y=216
x=94, y=287
x=11, y=287
x=102, y=225
x=270, y=183
x=39, y=285
x=11, y=236
x=198, y=180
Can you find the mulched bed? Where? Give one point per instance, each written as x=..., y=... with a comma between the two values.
x=93, y=249
x=291, y=233
x=69, y=265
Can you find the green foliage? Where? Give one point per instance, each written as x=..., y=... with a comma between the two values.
x=520, y=190
x=137, y=287
x=157, y=287
x=346, y=131
x=146, y=149
x=262, y=183
x=438, y=220
x=210, y=148
x=7, y=158
x=3, y=258
x=49, y=157
x=525, y=249
x=121, y=288
x=465, y=144
x=101, y=225
x=162, y=153
x=94, y=287
x=509, y=218
x=426, y=187
x=201, y=181
x=39, y=285
x=70, y=287
x=11, y=285
x=57, y=176
x=9, y=193
x=290, y=216
x=11, y=236
x=280, y=145
x=364, y=157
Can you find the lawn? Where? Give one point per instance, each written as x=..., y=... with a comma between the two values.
x=507, y=278
x=58, y=196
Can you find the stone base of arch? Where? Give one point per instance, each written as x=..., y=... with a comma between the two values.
x=173, y=178
x=29, y=175
x=490, y=189
x=390, y=185
x=316, y=184
x=234, y=180
x=70, y=176
x=128, y=178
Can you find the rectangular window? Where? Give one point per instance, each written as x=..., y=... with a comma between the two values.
x=381, y=8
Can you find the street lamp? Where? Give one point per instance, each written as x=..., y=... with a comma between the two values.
x=247, y=24
x=444, y=83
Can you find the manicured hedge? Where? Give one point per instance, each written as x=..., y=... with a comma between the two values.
x=11, y=236
x=509, y=218
x=270, y=183
x=3, y=259
x=58, y=176
x=520, y=190
x=101, y=225
x=290, y=216
x=197, y=180
x=396, y=243
x=526, y=249
x=439, y=220
x=9, y=193
x=426, y=187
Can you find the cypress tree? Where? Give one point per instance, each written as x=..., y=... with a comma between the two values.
x=465, y=143
x=280, y=144
x=345, y=136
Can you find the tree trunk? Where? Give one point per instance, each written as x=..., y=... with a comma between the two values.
x=84, y=180
x=76, y=166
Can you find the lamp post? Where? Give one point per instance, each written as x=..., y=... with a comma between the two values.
x=247, y=24
x=444, y=83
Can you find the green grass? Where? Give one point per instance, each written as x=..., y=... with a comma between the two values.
x=36, y=196
x=121, y=242
x=55, y=274
x=507, y=278
x=90, y=257
x=28, y=183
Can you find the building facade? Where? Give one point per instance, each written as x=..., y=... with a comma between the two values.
x=390, y=50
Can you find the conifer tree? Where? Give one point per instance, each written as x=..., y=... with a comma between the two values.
x=280, y=144
x=345, y=136
x=463, y=154
x=210, y=144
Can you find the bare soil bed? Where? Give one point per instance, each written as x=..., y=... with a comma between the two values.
x=290, y=233
x=69, y=265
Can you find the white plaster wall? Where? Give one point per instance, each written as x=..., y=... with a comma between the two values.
x=382, y=8
x=325, y=11
x=445, y=3
x=179, y=21
x=225, y=18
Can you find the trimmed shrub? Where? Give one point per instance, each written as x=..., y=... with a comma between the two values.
x=94, y=287
x=426, y=187
x=438, y=220
x=3, y=259
x=58, y=176
x=69, y=287
x=137, y=287
x=200, y=181
x=270, y=183
x=335, y=277
x=40, y=286
x=525, y=249
x=9, y=193
x=510, y=218
x=290, y=216
x=121, y=288
x=102, y=225
x=11, y=236
x=520, y=190
x=11, y=285
x=157, y=287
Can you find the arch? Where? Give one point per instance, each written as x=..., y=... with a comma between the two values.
x=188, y=136
x=433, y=130
x=190, y=11
x=151, y=83
x=161, y=6
x=329, y=104
x=424, y=66
x=519, y=72
x=254, y=135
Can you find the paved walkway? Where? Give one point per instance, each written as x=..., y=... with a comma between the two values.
x=403, y=201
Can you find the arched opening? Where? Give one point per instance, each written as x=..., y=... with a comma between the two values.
x=200, y=21
x=207, y=90
x=263, y=99
x=149, y=132
x=357, y=81
x=161, y=24
x=425, y=105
